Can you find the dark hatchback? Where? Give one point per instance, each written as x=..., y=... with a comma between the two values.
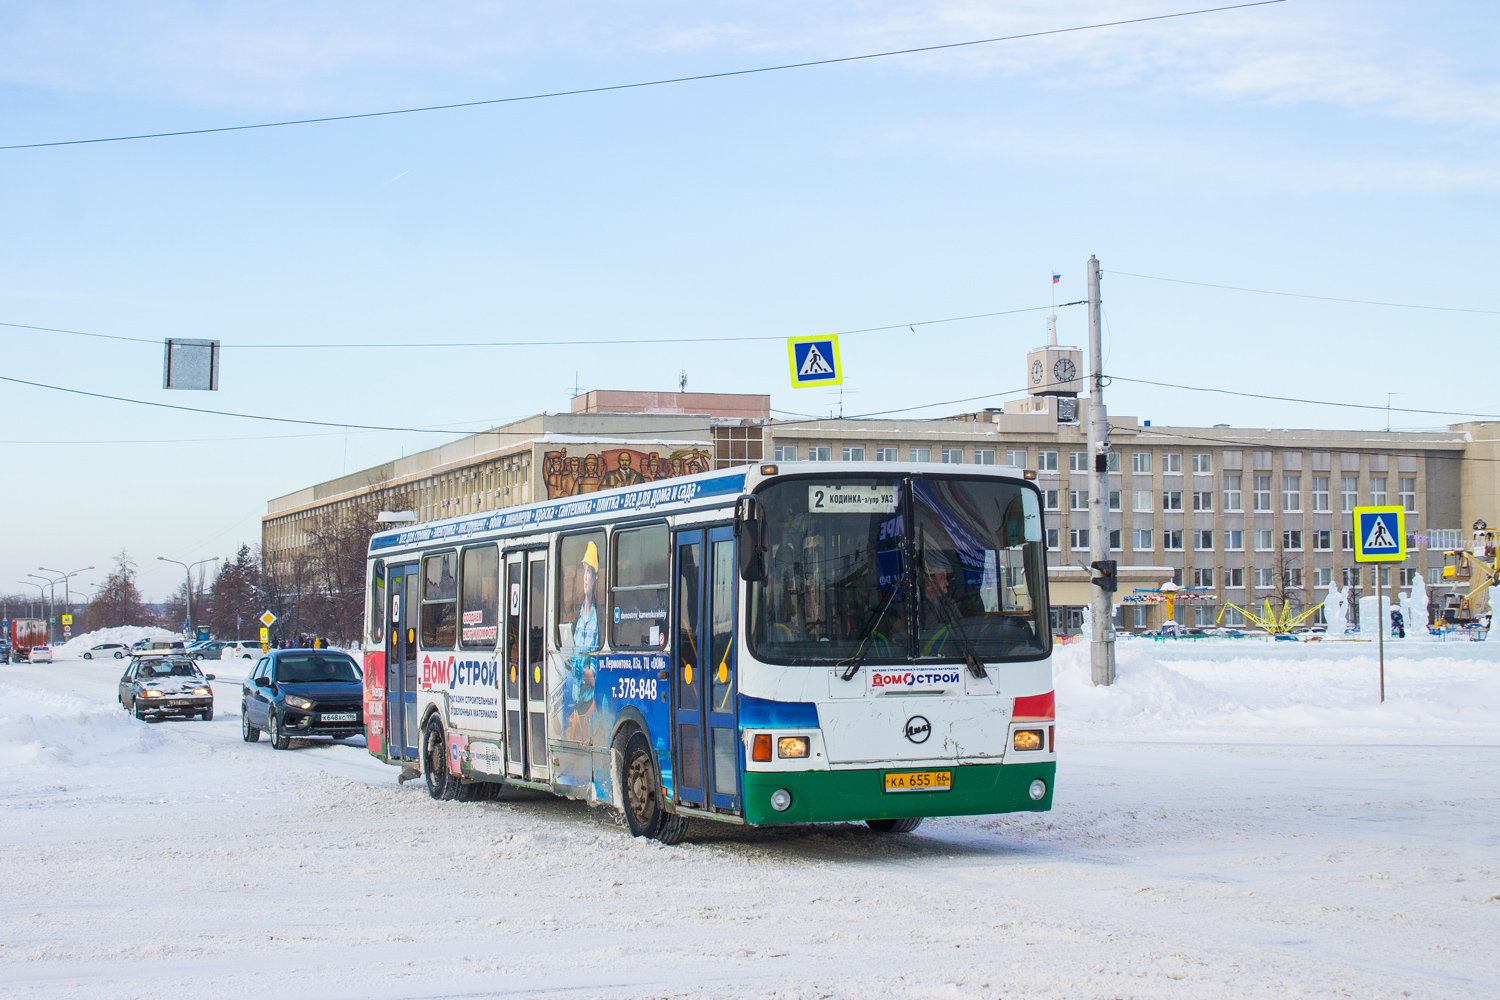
x=302, y=694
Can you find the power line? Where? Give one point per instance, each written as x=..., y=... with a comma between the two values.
x=562, y=343
x=696, y=78
x=1300, y=295
x=1295, y=399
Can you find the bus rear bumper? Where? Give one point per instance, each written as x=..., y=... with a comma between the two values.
x=854, y=795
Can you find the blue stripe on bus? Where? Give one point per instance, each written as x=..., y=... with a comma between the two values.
x=762, y=713
x=646, y=499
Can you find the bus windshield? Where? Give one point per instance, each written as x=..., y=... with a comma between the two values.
x=887, y=570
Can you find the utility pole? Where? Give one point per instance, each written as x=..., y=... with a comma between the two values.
x=1103, y=570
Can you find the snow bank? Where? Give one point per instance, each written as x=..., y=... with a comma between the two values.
x=46, y=730
x=1436, y=688
x=75, y=647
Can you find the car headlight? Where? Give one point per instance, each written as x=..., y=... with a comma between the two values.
x=152, y=693
x=296, y=702
x=202, y=691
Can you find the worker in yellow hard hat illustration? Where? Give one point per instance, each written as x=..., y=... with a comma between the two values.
x=578, y=696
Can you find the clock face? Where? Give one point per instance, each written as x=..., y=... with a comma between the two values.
x=1036, y=372
x=1064, y=370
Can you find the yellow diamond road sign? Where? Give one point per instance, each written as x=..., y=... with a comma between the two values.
x=268, y=619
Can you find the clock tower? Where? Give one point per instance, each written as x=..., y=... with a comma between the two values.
x=1053, y=370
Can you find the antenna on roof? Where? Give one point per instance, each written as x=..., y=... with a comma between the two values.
x=682, y=381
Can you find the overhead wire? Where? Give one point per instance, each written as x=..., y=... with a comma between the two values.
x=1296, y=399
x=642, y=84
x=1301, y=295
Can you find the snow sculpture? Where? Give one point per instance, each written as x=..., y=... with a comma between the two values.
x=1371, y=619
x=1088, y=623
x=1336, y=611
x=1414, y=607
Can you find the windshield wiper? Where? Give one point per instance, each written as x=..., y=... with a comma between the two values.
x=854, y=662
x=971, y=658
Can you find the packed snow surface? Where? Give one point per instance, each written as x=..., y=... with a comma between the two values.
x=1232, y=819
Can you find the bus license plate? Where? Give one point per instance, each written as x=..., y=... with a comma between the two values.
x=919, y=781
x=338, y=716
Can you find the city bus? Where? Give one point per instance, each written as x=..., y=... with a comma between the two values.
x=793, y=643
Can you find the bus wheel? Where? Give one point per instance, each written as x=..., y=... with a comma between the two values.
x=906, y=825
x=440, y=784
x=644, y=809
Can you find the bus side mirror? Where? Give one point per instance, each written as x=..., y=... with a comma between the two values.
x=750, y=530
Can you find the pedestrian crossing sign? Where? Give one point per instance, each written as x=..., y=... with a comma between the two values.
x=1379, y=534
x=815, y=361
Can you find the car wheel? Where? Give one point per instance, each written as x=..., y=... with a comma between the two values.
x=645, y=808
x=119, y=655
x=279, y=739
x=906, y=825
x=247, y=732
x=138, y=712
x=88, y=656
x=440, y=784
x=207, y=715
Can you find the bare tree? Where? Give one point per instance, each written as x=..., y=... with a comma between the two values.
x=118, y=599
x=319, y=589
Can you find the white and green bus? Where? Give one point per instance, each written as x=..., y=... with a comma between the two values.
x=803, y=643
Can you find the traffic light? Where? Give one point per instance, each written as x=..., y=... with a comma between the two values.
x=1108, y=579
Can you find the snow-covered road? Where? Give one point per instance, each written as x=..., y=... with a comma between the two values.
x=1201, y=846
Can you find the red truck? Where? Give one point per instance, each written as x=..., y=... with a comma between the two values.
x=25, y=634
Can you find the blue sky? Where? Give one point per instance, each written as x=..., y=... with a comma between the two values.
x=1341, y=149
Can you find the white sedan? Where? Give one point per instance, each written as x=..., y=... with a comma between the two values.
x=40, y=654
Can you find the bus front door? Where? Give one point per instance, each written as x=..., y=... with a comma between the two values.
x=707, y=753
x=401, y=664
x=526, y=665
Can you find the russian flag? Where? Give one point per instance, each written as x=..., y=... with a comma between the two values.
x=1056, y=278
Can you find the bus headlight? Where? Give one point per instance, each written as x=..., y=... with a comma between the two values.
x=1038, y=790
x=791, y=746
x=781, y=800
x=1027, y=739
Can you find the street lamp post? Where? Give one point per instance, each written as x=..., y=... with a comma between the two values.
x=41, y=591
x=51, y=603
x=189, y=568
x=67, y=597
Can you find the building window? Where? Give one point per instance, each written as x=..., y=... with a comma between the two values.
x=1322, y=541
x=1203, y=540
x=819, y=453
x=1140, y=539
x=1113, y=462
x=1050, y=498
x=1234, y=540
x=919, y=454
x=1411, y=541
x=887, y=454
x=854, y=453
x=1171, y=462
x=1203, y=576
x=1052, y=539
x=1346, y=540
x=1405, y=575
x=1138, y=615
x=1320, y=493
x=1291, y=540
x=1046, y=461
x=1232, y=493
x=786, y=453
x=1140, y=461
x=1079, y=499
x=1263, y=540
x=1140, y=500
x=1349, y=493
x=737, y=445
x=1177, y=576
x=1114, y=539
x=1264, y=578
x=953, y=456
x=1377, y=491
x=1262, y=496
x=1016, y=458
x=1322, y=576
x=1171, y=500
x=1234, y=576
x=984, y=456
x=1114, y=499
x=1292, y=577
x=1409, y=493
x=1291, y=493
x=1203, y=462
x=1078, y=538
x=1172, y=539
x=1203, y=500
x=1078, y=461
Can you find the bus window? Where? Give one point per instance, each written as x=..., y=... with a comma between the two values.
x=638, y=588
x=578, y=591
x=378, y=608
x=480, y=613
x=439, y=595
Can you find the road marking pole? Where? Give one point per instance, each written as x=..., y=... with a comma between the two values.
x=1380, y=537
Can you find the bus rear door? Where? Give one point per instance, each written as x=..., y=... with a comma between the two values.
x=404, y=584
